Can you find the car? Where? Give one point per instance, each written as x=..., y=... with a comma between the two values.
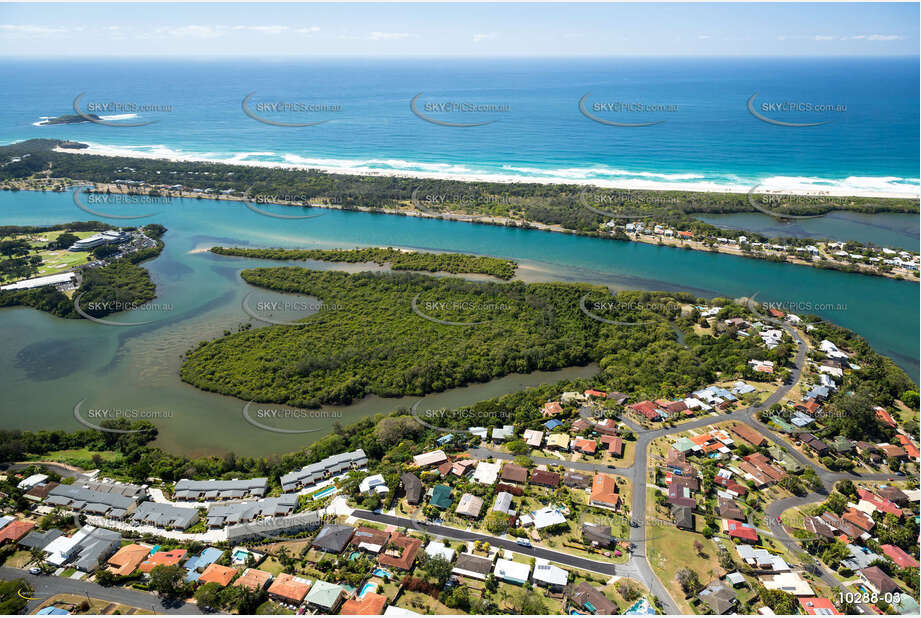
x=35, y=571
x=778, y=519
x=523, y=542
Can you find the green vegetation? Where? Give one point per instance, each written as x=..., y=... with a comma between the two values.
x=454, y=263
x=562, y=205
x=10, y=600
x=368, y=339
x=120, y=284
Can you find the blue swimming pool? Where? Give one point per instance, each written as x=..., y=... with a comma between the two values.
x=640, y=608
x=369, y=587
x=326, y=491
x=382, y=573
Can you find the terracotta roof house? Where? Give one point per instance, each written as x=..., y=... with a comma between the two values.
x=885, y=417
x=41, y=491
x=371, y=540
x=607, y=427
x=604, y=491
x=445, y=468
x=730, y=485
x=593, y=600
x=533, y=437
x=585, y=445
x=551, y=408
x=579, y=425
x=880, y=503
x=163, y=558
x=217, y=574
x=740, y=530
x=577, y=479
x=859, y=519
x=412, y=486
x=127, y=559
x=333, y=538
x=877, y=580
x=764, y=465
x=814, y=443
x=469, y=506
x=728, y=509
x=816, y=525
x=615, y=445
x=369, y=604
x=15, y=530
x=672, y=407
x=899, y=556
x=514, y=473
x=254, y=579
x=749, y=434
x=401, y=551
x=646, y=408
x=545, y=478
x=593, y=393
x=815, y=606
x=289, y=589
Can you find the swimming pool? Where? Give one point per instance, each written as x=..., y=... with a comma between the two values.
x=640, y=608
x=369, y=587
x=241, y=555
x=382, y=573
x=325, y=492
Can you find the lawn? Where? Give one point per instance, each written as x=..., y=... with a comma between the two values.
x=79, y=457
x=72, y=603
x=670, y=549
x=423, y=604
x=270, y=608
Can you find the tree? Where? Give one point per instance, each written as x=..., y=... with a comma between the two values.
x=438, y=568
x=63, y=241
x=496, y=522
x=689, y=580
x=207, y=596
x=168, y=580
x=699, y=548
x=531, y=603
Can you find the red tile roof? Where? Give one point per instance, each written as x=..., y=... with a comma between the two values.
x=815, y=606
x=15, y=530
x=370, y=604
x=217, y=573
x=740, y=530
x=899, y=556
x=586, y=446
x=163, y=558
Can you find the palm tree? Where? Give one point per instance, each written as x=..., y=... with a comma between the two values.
x=37, y=556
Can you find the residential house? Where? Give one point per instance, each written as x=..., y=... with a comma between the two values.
x=558, y=441
x=604, y=492
x=468, y=565
x=254, y=579
x=815, y=606
x=402, y=550
x=469, y=506
x=577, y=479
x=899, y=556
x=368, y=604
x=728, y=509
x=790, y=582
x=549, y=576
x=551, y=408
x=585, y=446
x=683, y=516
x=740, y=530
x=441, y=497
x=217, y=574
x=325, y=468
x=877, y=580
x=209, y=491
x=749, y=434
x=486, y=473
x=593, y=600
x=289, y=589
x=325, y=597
x=128, y=559
x=614, y=444
x=545, y=478
x=533, y=437
x=172, y=557
x=412, y=486
x=373, y=484
x=432, y=458
x=719, y=598
x=370, y=540
x=513, y=473
x=512, y=572
x=333, y=538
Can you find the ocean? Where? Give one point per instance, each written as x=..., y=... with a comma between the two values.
x=698, y=132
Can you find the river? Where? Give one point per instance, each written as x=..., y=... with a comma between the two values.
x=48, y=364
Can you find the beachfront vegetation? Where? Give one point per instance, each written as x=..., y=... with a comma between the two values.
x=454, y=263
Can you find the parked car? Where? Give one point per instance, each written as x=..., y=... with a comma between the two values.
x=523, y=542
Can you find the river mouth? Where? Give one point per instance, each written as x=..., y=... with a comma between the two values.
x=48, y=364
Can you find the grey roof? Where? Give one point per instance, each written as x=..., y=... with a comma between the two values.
x=274, y=526
x=38, y=540
x=333, y=538
x=334, y=464
x=503, y=502
x=718, y=597
x=220, y=515
x=78, y=498
x=412, y=486
x=96, y=547
x=475, y=564
x=113, y=487
x=859, y=559
x=238, y=488
x=165, y=515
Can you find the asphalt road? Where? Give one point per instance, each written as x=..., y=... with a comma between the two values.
x=576, y=562
x=46, y=586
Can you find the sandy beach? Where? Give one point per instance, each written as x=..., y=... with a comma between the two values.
x=788, y=185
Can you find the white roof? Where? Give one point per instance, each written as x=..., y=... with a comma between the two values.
x=40, y=281
x=486, y=473
x=375, y=482
x=788, y=582
x=437, y=548
x=549, y=574
x=478, y=431
x=393, y=610
x=59, y=550
x=513, y=571
x=547, y=517
x=31, y=481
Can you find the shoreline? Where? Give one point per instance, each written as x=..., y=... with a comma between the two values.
x=631, y=185
x=649, y=239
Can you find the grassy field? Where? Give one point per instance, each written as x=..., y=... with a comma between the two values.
x=58, y=260
x=670, y=549
x=72, y=603
x=81, y=458
x=271, y=608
